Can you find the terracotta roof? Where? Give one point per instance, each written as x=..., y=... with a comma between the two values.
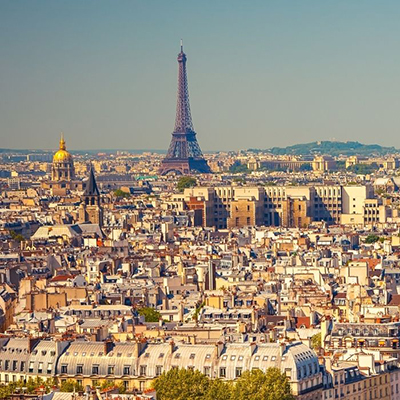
x=61, y=278
x=395, y=300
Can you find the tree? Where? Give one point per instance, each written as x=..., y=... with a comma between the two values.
x=370, y=239
x=257, y=385
x=239, y=180
x=363, y=169
x=219, y=390
x=188, y=384
x=340, y=165
x=238, y=167
x=121, y=388
x=120, y=193
x=70, y=386
x=305, y=167
x=16, y=236
x=150, y=314
x=107, y=384
x=316, y=341
x=182, y=384
x=197, y=311
x=29, y=386
x=186, y=182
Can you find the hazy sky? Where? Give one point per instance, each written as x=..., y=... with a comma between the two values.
x=261, y=73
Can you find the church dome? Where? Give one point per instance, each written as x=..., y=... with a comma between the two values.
x=62, y=154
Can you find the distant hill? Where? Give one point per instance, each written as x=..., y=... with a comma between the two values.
x=331, y=148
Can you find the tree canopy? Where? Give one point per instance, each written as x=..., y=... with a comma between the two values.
x=150, y=314
x=122, y=194
x=257, y=385
x=363, y=169
x=370, y=239
x=182, y=384
x=316, y=341
x=29, y=386
x=16, y=236
x=187, y=384
x=185, y=182
x=70, y=386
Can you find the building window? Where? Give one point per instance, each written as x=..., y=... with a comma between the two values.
x=95, y=369
x=127, y=370
x=63, y=369
x=40, y=368
x=158, y=370
x=222, y=372
x=31, y=365
x=110, y=370
x=238, y=372
x=79, y=369
x=207, y=371
x=143, y=370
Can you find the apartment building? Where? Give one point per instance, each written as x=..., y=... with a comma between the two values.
x=289, y=206
x=137, y=364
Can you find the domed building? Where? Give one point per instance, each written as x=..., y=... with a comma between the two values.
x=63, y=164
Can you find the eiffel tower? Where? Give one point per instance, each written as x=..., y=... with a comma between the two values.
x=184, y=154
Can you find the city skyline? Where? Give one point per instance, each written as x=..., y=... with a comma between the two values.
x=261, y=76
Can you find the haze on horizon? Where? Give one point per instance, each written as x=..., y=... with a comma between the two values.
x=261, y=73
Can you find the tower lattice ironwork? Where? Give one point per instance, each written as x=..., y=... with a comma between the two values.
x=184, y=154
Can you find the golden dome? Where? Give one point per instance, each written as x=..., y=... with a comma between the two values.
x=62, y=154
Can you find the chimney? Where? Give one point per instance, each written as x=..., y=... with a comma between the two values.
x=282, y=348
x=252, y=348
x=140, y=345
x=165, y=303
x=219, y=348
x=328, y=363
x=172, y=346
x=192, y=339
x=108, y=346
x=181, y=310
x=32, y=343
